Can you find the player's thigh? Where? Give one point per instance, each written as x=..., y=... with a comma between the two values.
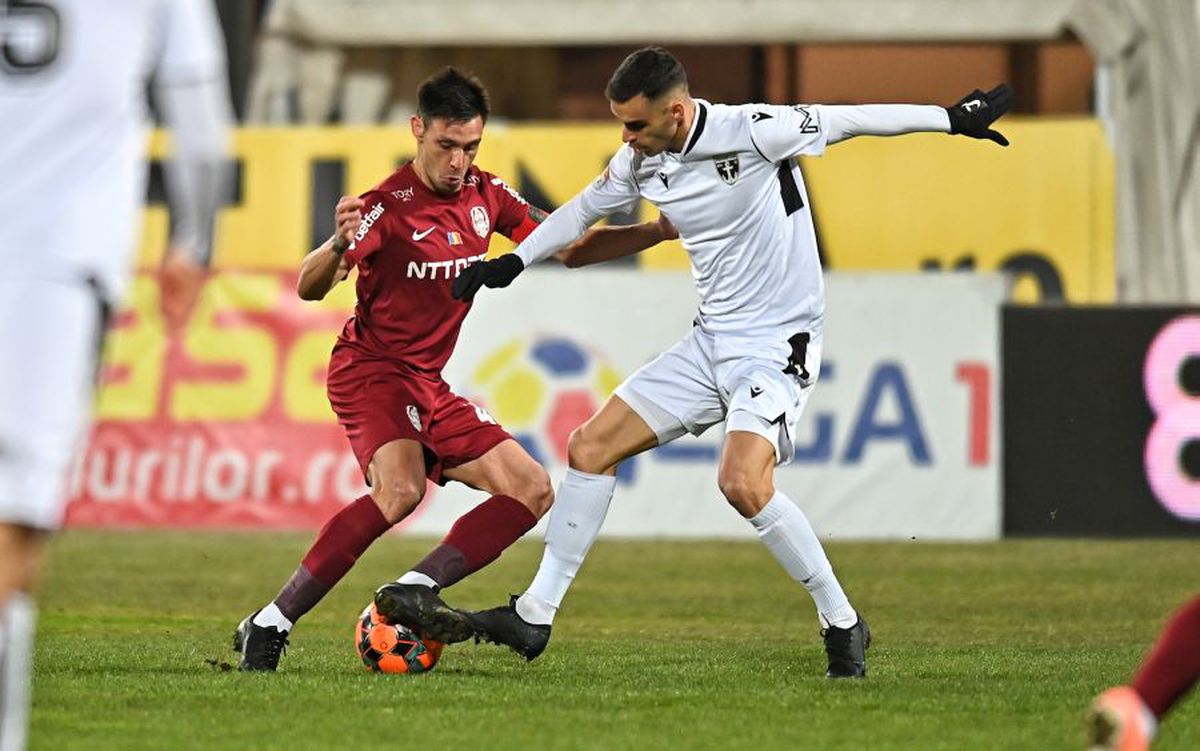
x=397, y=476
x=50, y=336
x=616, y=432
x=764, y=400
x=377, y=404
x=676, y=392
x=507, y=469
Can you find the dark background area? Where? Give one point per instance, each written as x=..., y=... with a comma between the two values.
x=1076, y=420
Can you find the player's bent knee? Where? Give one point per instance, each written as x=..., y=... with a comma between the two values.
x=536, y=493
x=585, y=454
x=396, y=500
x=745, y=494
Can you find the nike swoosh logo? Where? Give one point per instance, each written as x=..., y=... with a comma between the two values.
x=422, y=235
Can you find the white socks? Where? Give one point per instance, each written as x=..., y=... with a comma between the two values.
x=272, y=616
x=783, y=528
x=416, y=577
x=17, y=620
x=575, y=519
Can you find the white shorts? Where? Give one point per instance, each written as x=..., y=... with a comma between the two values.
x=49, y=341
x=684, y=390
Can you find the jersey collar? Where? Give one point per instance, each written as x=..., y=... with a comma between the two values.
x=697, y=126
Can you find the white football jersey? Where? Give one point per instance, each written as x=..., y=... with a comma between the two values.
x=73, y=78
x=737, y=197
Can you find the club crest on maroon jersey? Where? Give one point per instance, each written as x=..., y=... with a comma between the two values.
x=480, y=220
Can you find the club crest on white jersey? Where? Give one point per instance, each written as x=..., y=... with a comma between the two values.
x=727, y=167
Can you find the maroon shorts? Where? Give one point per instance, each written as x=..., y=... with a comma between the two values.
x=377, y=401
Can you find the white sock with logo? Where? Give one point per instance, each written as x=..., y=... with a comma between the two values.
x=17, y=621
x=784, y=529
x=575, y=520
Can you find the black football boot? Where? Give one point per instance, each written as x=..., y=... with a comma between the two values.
x=502, y=625
x=846, y=649
x=419, y=608
x=260, y=646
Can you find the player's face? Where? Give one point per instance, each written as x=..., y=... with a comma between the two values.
x=445, y=150
x=651, y=126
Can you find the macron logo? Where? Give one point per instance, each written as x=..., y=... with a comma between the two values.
x=368, y=220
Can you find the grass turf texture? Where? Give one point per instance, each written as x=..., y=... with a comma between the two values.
x=660, y=645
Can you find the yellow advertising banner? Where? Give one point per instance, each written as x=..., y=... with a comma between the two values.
x=1041, y=209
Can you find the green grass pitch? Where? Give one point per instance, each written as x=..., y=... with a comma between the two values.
x=697, y=645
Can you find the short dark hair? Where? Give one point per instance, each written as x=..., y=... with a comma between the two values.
x=453, y=95
x=651, y=72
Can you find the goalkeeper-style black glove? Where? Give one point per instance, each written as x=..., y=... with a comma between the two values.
x=498, y=272
x=974, y=113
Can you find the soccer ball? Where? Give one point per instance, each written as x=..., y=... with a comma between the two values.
x=392, y=648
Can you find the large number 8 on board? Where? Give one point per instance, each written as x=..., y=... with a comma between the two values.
x=1178, y=417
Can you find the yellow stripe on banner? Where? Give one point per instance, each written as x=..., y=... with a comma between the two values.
x=1042, y=208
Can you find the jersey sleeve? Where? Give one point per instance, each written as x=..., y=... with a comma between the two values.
x=191, y=47
x=615, y=190
x=847, y=120
x=780, y=131
x=513, y=219
x=372, y=233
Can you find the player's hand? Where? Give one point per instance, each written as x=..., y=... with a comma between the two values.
x=666, y=228
x=498, y=272
x=182, y=280
x=975, y=113
x=347, y=218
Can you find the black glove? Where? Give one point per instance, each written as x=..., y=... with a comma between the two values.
x=975, y=112
x=498, y=272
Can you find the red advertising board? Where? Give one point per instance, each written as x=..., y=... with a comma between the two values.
x=223, y=425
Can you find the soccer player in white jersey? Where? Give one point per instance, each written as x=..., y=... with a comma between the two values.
x=727, y=178
x=72, y=159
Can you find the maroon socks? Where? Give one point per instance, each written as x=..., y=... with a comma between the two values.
x=476, y=539
x=1174, y=664
x=345, y=537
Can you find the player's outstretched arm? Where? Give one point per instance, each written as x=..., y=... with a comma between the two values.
x=972, y=116
x=198, y=180
x=602, y=244
x=611, y=192
x=192, y=91
x=325, y=266
x=554, y=233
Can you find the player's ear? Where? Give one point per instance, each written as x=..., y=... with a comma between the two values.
x=677, y=110
x=418, y=126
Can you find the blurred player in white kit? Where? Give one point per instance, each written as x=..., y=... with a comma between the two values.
x=73, y=77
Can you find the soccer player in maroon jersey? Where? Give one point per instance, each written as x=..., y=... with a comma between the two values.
x=409, y=238
x=1125, y=718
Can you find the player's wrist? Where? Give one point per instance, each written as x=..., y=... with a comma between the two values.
x=339, y=245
